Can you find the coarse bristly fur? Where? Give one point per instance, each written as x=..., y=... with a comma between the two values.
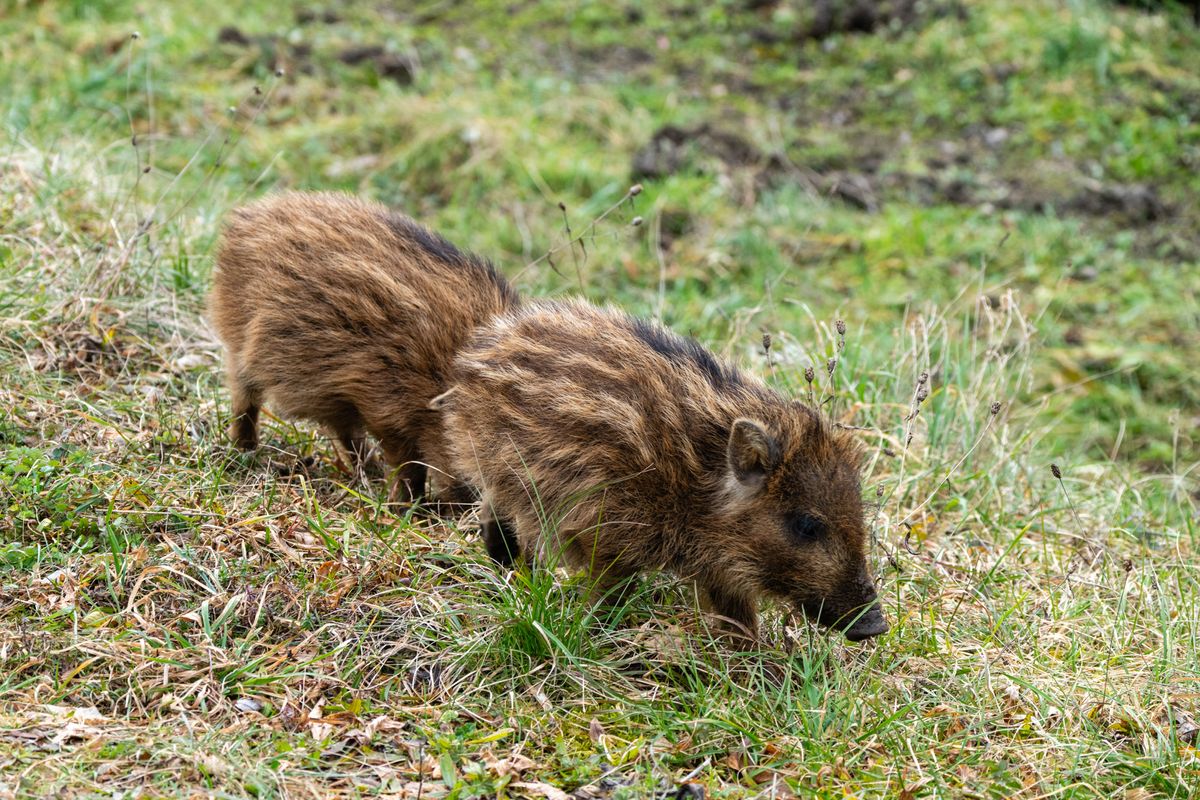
x=337, y=310
x=625, y=447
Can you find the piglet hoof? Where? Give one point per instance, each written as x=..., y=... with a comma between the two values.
x=243, y=439
x=501, y=544
x=400, y=494
x=775, y=674
x=439, y=509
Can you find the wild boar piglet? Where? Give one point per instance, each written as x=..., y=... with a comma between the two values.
x=337, y=310
x=624, y=447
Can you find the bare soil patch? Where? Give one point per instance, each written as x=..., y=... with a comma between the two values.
x=824, y=18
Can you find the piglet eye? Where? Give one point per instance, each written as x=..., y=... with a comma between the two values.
x=806, y=527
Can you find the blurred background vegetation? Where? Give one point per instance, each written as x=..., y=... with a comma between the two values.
x=834, y=158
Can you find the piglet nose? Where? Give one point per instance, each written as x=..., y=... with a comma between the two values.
x=872, y=623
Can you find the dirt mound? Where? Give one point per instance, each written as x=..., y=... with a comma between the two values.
x=310, y=16
x=825, y=18
x=274, y=51
x=1164, y=5
x=277, y=52
x=394, y=66
x=672, y=148
x=1130, y=202
x=1133, y=204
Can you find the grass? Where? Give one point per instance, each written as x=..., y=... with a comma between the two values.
x=1002, y=198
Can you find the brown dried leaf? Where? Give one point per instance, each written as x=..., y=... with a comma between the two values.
x=541, y=790
x=514, y=764
x=415, y=789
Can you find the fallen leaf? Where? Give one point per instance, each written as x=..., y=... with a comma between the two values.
x=318, y=729
x=213, y=765
x=415, y=789
x=74, y=731
x=82, y=714
x=189, y=361
x=514, y=764
x=541, y=790
x=248, y=704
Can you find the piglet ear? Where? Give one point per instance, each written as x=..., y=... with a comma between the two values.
x=752, y=453
x=442, y=400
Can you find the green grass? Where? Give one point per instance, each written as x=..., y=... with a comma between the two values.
x=178, y=619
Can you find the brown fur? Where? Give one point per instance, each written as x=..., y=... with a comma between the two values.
x=626, y=448
x=340, y=311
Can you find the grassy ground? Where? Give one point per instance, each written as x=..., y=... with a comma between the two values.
x=1002, y=195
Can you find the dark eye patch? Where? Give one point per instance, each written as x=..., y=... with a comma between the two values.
x=806, y=527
